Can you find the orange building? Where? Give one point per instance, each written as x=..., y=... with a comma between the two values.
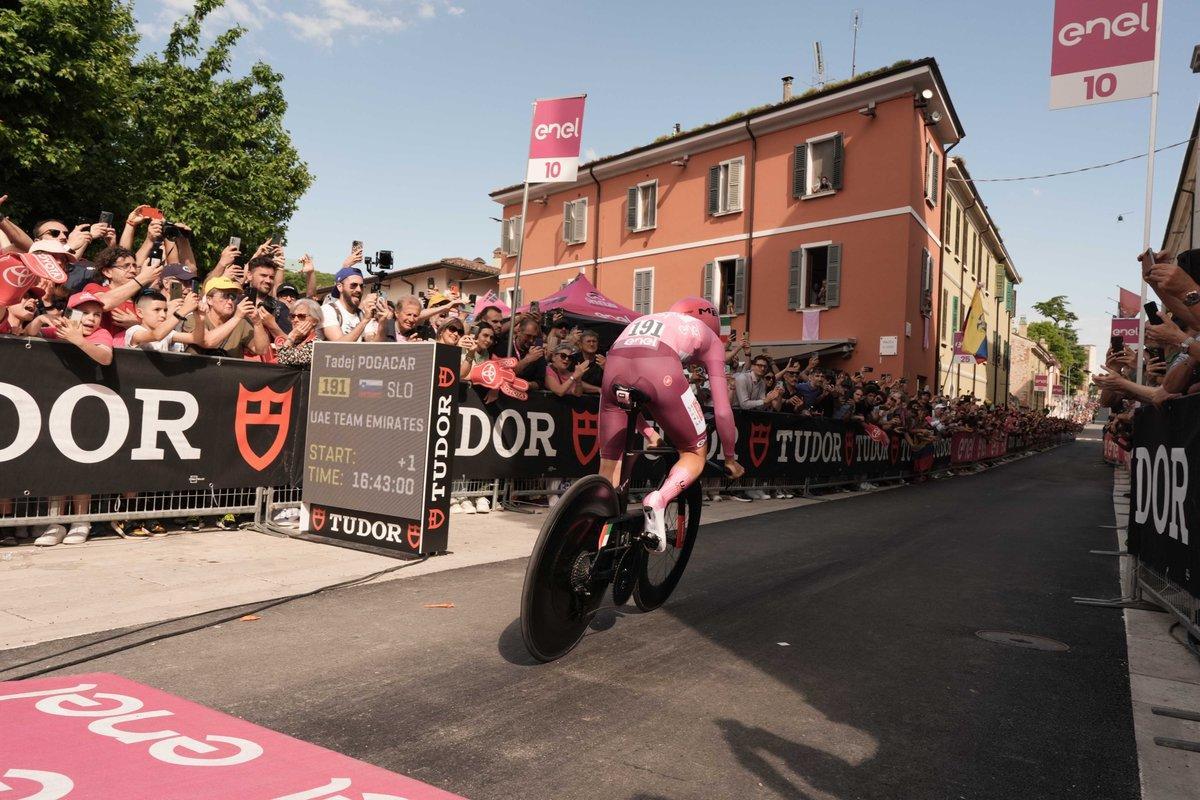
x=828, y=202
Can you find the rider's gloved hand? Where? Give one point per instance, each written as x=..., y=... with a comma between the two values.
x=734, y=469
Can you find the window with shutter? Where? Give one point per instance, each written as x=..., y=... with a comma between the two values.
x=733, y=191
x=649, y=205
x=954, y=314
x=640, y=206
x=643, y=283
x=631, y=209
x=794, y=267
x=833, y=277
x=739, y=286
x=568, y=222
x=706, y=290
x=945, y=308
x=799, y=171
x=505, y=243
x=1001, y=279
x=839, y=154
x=714, y=190
x=579, y=217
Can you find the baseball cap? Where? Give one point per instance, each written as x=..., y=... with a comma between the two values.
x=221, y=283
x=288, y=289
x=180, y=272
x=81, y=274
x=436, y=299
x=83, y=297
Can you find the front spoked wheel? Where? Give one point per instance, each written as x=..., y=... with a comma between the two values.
x=659, y=573
x=560, y=595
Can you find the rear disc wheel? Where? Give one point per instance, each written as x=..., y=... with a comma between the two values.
x=559, y=598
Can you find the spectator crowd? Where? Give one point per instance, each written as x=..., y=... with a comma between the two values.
x=143, y=288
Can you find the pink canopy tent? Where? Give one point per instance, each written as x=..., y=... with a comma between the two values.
x=579, y=298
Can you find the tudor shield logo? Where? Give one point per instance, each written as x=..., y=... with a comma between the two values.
x=760, y=440
x=848, y=447
x=318, y=518
x=585, y=426
x=264, y=407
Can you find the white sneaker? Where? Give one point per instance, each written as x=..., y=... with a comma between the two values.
x=482, y=505
x=78, y=534
x=758, y=494
x=716, y=497
x=466, y=506
x=655, y=526
x=54, y=534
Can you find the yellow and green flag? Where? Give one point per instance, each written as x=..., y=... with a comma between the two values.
x=975, y=332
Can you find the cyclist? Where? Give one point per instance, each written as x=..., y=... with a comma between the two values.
x=649, y=355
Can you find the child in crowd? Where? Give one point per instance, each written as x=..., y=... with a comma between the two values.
x=83, y=329
x=157, y=321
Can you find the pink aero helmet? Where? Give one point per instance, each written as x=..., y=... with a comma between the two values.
x=701, y=309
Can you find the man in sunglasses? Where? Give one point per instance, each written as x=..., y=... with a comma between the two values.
x=351, y=316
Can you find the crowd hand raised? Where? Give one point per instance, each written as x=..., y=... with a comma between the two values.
x=79, y=238
x=466, y=341
x=600, y=360
x=155, y=230
x=265, y=247
x=1170, y=279
x=244, y=308
x=580, y=368
x=135, y=219
x=1166, y=333
x=189, y=303
x=301, y=330
x=69, y=329
x=235, y=273
x=306, y=264
x=355, y=257
x=148, y=275
x=1155, y=366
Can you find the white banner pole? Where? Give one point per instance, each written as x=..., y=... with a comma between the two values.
x=1141, y=357
x=516, y=295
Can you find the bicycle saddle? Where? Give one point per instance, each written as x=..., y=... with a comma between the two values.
x=629, y=397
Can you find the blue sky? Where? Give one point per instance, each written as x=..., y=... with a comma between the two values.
x=409, y=111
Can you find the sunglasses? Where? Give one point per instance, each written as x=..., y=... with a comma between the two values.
x=301, y=316
x=55, y=232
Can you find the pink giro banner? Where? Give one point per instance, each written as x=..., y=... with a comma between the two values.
x=104, y=736
x=1103, y=50
x=554, y=140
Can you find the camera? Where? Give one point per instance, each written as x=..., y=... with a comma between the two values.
x=383, y=259
x=171, y=231
x=264, y=300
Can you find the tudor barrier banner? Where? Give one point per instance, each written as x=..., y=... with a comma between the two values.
x=558, y=437
x=147, y=422
x=1164, y=515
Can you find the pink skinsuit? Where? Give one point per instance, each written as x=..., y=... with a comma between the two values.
x=649, y=355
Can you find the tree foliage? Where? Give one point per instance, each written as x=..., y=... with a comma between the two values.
x=1060, y=336
x=87, y=126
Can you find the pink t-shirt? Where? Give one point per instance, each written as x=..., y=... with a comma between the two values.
x=98, y=336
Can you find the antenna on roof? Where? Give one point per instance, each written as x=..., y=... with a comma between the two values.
x=855, y=25
x=818, y=66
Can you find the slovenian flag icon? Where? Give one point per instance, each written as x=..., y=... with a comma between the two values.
x=370, y=388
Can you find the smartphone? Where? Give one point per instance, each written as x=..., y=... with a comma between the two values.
x=235, y=241
x=106, y=217
x=1147, y=259
x=1117, y=343
x=1152, y=313
x=383, y=295
x=175, y=292
x=535, y=307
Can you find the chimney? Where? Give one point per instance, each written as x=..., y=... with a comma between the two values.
x=498, y=258
x=787, y=88
x=678, y=129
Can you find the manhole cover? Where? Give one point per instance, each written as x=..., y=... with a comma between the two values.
x=1028, y=640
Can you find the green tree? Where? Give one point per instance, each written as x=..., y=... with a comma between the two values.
x=65, y=103
x=1060, y=336
x=87, y=127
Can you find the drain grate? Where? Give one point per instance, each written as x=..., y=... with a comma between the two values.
x=1027, y=640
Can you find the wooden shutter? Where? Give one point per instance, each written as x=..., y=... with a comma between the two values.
x=706, y=290
x=1010, y=301
x=954, y=314
x=514, y=236
x=739, y=285
x=580, y=220
x=568, y=222
x=631, y=209
x=800, y=171
x=933, y=164
x=650, y=200
x=714, y=189
x=833, y=277
x=945, y=311
x=734, y=192
x=839, y=154
x=795, y=295
x=506, y=237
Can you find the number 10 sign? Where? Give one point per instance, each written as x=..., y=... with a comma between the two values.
x=554, y=140
x=1103, y=50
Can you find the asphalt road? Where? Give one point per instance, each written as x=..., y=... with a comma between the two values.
x=823, y=652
